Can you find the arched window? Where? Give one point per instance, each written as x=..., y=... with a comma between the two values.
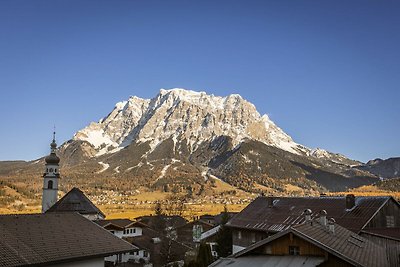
x=55, y=170
x=51, y=170
x=50, y=184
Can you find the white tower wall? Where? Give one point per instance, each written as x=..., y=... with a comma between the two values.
x=51, y=178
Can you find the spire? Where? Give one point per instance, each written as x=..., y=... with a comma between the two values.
x=52, y=158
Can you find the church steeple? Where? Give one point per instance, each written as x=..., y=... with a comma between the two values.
x=51, y=177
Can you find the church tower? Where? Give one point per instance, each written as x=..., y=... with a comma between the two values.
x=51, y=177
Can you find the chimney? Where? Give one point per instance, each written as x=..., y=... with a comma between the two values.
x=307, y=213
x=331, y=225
x=270, y=202
x=350, y=201
x=322, y=217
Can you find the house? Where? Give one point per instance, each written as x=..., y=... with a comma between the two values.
x=153, y=247
x=123, y=228
x=312, y=243
x=389, y=239
x=216, y=219
x=266, y=216
x=210, y=238
x=56, y=239
x=190, y=233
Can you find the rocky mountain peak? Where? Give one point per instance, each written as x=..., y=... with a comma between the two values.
x=183, y=115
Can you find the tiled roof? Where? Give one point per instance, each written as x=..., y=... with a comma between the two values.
x=288, y=211
x=122, y=223
x=75, y=201
x=343, y=243
x=42, y=239
x=267, y=260
x=153, y=222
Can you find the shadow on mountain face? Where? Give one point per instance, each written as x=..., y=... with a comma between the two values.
x=334, y=181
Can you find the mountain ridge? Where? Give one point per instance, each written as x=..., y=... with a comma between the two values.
x=193, y=135
x=141, y=111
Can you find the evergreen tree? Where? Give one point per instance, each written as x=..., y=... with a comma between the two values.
x=204, y=256
x=224, y=236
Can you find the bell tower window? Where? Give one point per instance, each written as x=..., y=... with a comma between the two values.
x=50, y=184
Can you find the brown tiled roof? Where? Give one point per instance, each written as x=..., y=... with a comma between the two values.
x=42, y=239
x=287, y=211
x=75, y=201
x=343, y=243
x=145, y=241
x=118, y=222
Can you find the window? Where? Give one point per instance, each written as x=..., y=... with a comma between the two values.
x=51, y=169
x=253, y=237
x=50, y=184
x=294, y=250
x=112, y=231
x=239, y=234
x=134, y=230
x=145, y=254
x=390, y=221
x=55, y=170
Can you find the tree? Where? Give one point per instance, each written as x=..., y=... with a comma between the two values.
x=175, y=205
x=224, y=236
x=204, y=256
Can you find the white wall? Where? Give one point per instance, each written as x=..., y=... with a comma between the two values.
x=97, y=262
x=124, y=258
x=133, y=231
x=136, y=256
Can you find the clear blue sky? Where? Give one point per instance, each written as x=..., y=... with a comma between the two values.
x=327, y=72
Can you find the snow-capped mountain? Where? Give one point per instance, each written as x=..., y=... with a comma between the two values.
x=192, y=137
x=183, y=114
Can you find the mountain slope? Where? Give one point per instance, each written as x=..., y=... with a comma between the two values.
x=388, y=168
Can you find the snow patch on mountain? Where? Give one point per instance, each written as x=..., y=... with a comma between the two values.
x=105, y=166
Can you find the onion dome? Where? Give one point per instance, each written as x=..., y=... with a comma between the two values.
x=52, y=159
